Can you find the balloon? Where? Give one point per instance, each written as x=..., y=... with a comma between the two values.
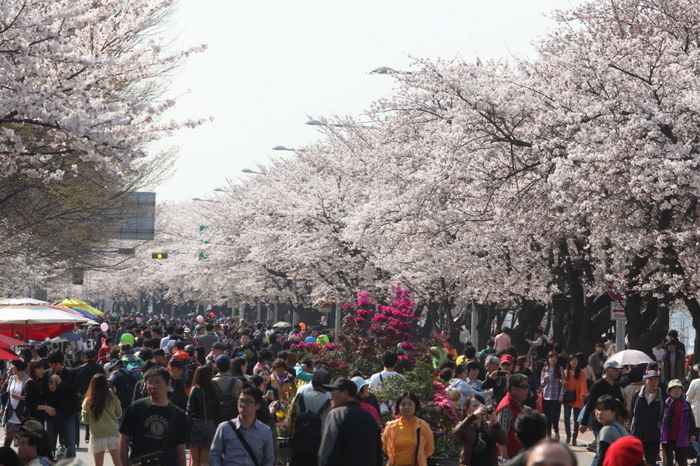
x=104, y=326
x=212, y=315
x=139, y=320
x=200, y=319
x=302, y=325
x=310, y=339
x=127, y=338
x=323, y=340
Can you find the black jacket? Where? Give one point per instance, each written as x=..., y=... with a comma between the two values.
x=351, y=437
x=198, y=402
x=65, y=398
x=85, y=374
x=646, y=417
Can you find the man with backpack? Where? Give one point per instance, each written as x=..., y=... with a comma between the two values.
x=307, y=415
x=122, y=381
x=227, y=389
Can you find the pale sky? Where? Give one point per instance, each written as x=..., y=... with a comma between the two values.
x=270, y=64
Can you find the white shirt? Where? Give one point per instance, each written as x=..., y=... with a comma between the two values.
x=378, y=379
x=464, y=336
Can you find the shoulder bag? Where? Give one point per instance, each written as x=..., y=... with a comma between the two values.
x=244, y=442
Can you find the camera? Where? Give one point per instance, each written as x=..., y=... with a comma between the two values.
x=489, y=410
x=501, y=373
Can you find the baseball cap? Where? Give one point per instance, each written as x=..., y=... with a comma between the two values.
x=650, y=374
x=507, y=358
x=612, y=364
x=223, y=363
x=343, y=383
x=187, y=330
x=359, y=382
x=322, y=376
x=219, y=346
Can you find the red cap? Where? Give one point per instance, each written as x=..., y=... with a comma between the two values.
x=507, y=358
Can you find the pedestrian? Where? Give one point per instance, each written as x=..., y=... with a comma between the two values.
x=201, y=409
x=408, y=439
x=597, y=360
x=34, y=400
x=646, y=411
x=479, y=433
x=350, y=435
x=30, y=444
x=62, y=394
x=673, y=362
x=552, y=387
x=245, y=439
x=13, y=411
x=678, y=430
x=460, y=383
x=508, y=409
x=610, y=413
x=497, y=374
x=530, y=429
x=576, y=383
x=307, y=415
x=100, y=411
x=607, y=385
x=153, y=428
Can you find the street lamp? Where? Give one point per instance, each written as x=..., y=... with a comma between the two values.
x=287, y=148
x=383, y=70
x=253, y=172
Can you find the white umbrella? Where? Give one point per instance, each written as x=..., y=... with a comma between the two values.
x=36, y=322
x=282, y=325
x=631, y=357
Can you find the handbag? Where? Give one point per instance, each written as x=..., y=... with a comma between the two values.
x=540, y=402
x=570, y=396
x=199, y=431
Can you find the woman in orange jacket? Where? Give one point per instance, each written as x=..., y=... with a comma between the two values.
x=408, y=441
x=575, y=381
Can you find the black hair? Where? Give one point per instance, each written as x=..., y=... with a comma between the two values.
x=446, y=374
x=557, y=368
x=447, y=364
x=90, y=354
x=574, y=461
x=473, y=365
x=8, y=457
x=159, y=352
x=255, y=380
x=577, y=369
x=34, y=439
x=146, y=354
x=413, y=398
x=56, y=356
x=390, y=359
x=490, y=342
x=252, y=391
x=462, y=368
x=209, y=327
x=469, y=352
x=531, y=427
x=283, y=355
x=613, y=404
x=156, y=371
x=42, y=351
x=20, y=364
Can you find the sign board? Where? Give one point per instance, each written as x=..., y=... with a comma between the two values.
x=617, y=311
x=325, y=306
x=617, y=287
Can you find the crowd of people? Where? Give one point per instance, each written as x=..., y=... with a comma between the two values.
x=150, y=392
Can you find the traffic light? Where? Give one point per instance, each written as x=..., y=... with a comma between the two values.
x=159, y=255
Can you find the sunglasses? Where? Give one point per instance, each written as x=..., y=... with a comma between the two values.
x=524, y=387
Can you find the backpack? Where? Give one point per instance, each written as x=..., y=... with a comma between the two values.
x=125, y=385
x=543, y=350
x=307, y=428
x=228, y=402
x=134, y=366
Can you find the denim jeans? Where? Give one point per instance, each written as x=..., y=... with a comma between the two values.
x=552, y=408
x=567, y=420
x=63, y=426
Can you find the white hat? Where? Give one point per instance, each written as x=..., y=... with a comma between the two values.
x=359, y=382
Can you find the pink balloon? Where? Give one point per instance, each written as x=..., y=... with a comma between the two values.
x=200, y=319
x=104, y=326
